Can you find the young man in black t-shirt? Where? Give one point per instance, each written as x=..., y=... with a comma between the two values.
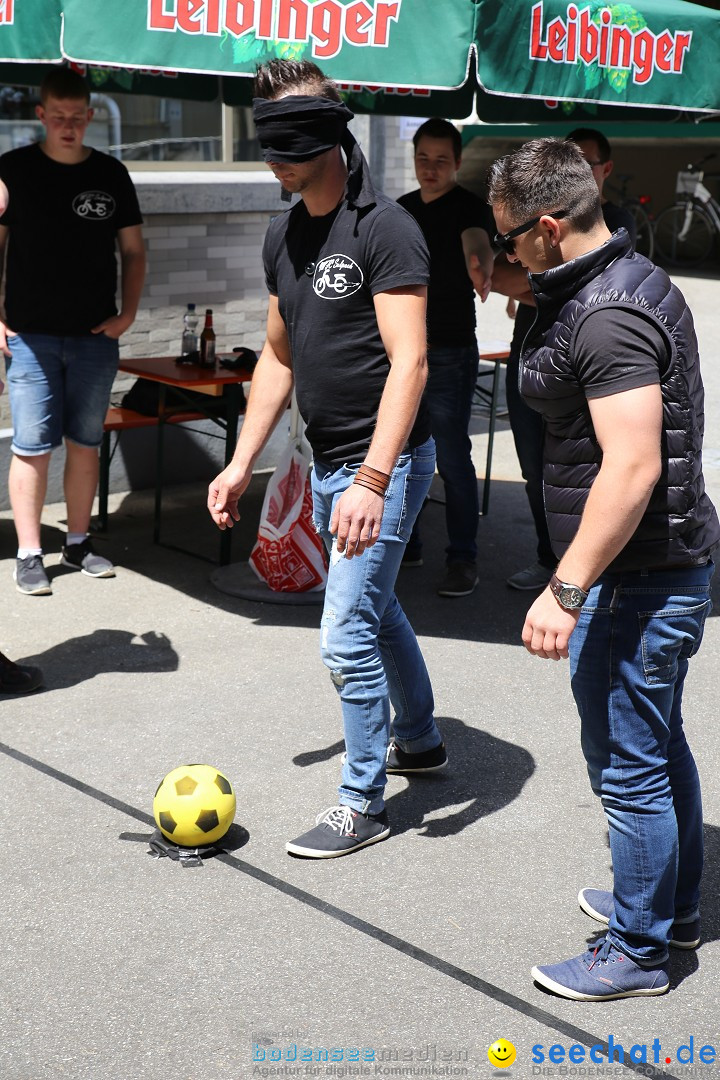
x=68, y=207
x=612, y=364
x=346, y=270
x=526, y=424
x=457, y=226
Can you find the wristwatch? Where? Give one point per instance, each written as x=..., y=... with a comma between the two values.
x=570, y=597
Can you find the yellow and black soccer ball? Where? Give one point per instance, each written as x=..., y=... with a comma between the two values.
x=194, y=805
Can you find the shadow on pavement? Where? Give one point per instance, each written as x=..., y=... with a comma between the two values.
x=81, y=658
x=487, y=774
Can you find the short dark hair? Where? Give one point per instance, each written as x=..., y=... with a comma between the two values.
x=542, y=176
x=435, y=128
x=279, y=78
x=591, y=135
x=64, y=83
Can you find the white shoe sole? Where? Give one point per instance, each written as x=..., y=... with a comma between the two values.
x=110, y=572
x=42, y=590
x=574, y=995
x=313, y=853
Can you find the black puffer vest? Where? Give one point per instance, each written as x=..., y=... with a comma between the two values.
x=680, y=524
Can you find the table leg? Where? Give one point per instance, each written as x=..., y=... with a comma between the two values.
x=159, y=462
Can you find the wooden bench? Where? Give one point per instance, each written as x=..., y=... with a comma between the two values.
x=118, y=419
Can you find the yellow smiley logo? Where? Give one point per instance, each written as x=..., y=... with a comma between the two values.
x=501, y=1054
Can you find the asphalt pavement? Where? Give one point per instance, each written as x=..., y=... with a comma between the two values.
x=409, y=958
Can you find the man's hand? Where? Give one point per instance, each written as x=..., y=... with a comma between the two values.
x=355, y=522
x=114, y=327
x=5, y=331
x=548, y=628
x=224, y=493
x=482, y=282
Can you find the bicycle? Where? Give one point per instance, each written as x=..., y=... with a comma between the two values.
x=638, y=206
x=685, y=233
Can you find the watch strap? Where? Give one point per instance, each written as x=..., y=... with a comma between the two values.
x=558, y=587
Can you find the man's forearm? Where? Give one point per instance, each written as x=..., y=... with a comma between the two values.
x=397, y=412
x=614, y=508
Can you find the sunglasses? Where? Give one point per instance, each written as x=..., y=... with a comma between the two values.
x=506, y=241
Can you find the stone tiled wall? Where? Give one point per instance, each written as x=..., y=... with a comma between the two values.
x=214, y=262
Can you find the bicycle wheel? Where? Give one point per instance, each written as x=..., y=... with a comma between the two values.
x=684, y=234
x=645, y=242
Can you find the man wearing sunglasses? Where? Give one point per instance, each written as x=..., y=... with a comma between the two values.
x=612, y=365
x=526, y=424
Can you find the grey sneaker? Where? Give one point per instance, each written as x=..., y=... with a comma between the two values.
x=603, y=973
x=598, y=904
x=460, y=579
x=532, y=578
x=30, y=577
x=82, y=557
x=339, y=831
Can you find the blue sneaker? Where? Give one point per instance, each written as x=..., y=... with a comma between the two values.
x=603, y=973
x=598, y=904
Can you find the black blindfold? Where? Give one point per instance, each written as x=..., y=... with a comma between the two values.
x=298, y=128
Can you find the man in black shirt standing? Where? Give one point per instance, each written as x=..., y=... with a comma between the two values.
x=457, y=226
x=68, y=208
x=347, y=270
x=526, y=424
x=612, y=365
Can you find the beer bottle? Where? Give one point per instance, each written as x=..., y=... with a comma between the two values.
x=207, y=341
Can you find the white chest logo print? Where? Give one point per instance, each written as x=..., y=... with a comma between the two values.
x=94, y=205
x=337, y=276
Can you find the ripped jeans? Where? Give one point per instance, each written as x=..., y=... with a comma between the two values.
x=367, y=642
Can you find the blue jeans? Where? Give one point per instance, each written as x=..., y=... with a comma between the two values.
x=628, y=659
x=59, y=387
x=367, y=641
x=452, y=374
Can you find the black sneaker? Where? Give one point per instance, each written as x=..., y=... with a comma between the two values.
x=412, y=556
x=82, y=557
x=460, y=579
x=18, y=678
x=338, y=831
x=398, y=761
x=30, y=576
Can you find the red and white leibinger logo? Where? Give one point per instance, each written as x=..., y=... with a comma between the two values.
x=7, y=13
x=337, y=276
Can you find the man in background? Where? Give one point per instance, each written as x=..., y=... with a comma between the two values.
x=69, y=207
x=457, y=226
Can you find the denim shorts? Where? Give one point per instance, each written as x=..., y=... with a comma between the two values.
x=59, y=388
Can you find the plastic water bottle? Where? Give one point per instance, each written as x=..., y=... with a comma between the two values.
x=189, y=335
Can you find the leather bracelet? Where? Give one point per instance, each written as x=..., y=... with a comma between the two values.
x=367, y=474
x=376, y=472
x=371, y=487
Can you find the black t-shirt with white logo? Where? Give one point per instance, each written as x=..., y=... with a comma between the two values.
x=63, y=220
x=325, y=272
x=451, y=296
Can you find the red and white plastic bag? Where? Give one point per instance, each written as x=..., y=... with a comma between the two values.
x=289, y=555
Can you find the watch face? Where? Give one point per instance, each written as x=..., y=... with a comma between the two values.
x=571, y=598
